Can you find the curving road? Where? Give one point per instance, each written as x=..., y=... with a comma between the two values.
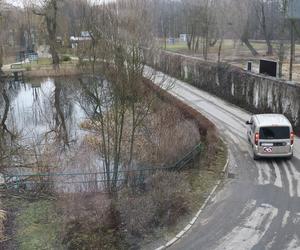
x=259, y=208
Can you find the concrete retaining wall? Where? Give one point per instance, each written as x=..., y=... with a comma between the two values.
x=255, y=93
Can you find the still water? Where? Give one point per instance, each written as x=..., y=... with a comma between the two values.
x=41, y=106
x=46, y=114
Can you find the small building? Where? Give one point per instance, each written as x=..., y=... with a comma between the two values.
x=183, y=37
x=83, y=38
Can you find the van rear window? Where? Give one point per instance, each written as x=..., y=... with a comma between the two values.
x=270, y=133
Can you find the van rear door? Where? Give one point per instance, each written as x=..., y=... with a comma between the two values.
x=274, y=140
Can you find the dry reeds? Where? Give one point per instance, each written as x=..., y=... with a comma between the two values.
x=2, y=220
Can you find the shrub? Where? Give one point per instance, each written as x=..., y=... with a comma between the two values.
x=160, y=204
x=90, y=233
x=207, y=130
x=137, y=212
x=91, y=222
x=66, y=59
x=28, y=67
x=170, y=192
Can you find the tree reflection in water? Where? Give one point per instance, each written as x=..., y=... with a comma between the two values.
x=45, y=115
x=8, y=145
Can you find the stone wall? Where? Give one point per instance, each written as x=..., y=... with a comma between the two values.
x=255, y=93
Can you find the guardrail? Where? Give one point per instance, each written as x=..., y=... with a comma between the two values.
x=97, y=180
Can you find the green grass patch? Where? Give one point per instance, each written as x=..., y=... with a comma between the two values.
x=36, y=224
x=177, y=46
x=46, y=63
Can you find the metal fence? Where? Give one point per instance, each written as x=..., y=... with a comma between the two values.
x=93, y=181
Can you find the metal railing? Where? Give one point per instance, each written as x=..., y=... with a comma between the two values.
x=91, y=180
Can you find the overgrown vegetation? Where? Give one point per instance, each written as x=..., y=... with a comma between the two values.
x=2, y=221
x=32, y=223
x=38, y=226
x=137, y=212
x=96, y=221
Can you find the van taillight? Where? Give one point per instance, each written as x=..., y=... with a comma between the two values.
x=256, y=138
x=292, y=138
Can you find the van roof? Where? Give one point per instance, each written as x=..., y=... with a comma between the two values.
x=265, y=120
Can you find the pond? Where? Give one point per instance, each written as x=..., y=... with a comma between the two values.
x=87, y=134
x=42, y=106
x=46, y=115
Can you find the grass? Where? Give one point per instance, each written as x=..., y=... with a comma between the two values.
x=36, y=224
x=204, y=179
x=176, y=47
x=239, y=54
x=227, y=46
x=46, y=64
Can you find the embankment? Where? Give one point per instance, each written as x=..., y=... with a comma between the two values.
x=207, y=129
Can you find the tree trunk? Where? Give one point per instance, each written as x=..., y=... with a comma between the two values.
x=245, y=39
x=190, y=39
x=205, y=46
x=1, y=58
x=6, y=110
x=197, y=45
x=281, y=58
x=266, y=34
x=292, y=55
x=165, y=39
x=220, y=49
x=281, y=52
x=60, y=117
x=189, y=42
x=270, y=47
x=52, y=42
x=55, y=57
x=249, y=46
x=51, y=23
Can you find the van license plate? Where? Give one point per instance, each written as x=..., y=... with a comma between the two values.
x=268, y=149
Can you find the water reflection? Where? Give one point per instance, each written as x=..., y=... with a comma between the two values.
x=46, y=114
x=45, y=109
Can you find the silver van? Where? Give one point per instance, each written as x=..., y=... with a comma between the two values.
x=270, y=135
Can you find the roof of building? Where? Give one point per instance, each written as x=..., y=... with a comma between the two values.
x=264, y=120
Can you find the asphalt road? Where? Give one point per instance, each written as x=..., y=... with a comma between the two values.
x=259, y=207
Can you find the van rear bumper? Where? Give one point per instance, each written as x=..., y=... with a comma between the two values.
x=273, y=155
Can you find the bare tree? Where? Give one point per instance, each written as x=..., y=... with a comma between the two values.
x=223, y=23
x=48, y=9
x=116, y=104
x=261, y=7
x=241, y=12
x=282, y=30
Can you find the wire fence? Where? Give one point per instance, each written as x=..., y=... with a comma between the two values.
x=91, y=181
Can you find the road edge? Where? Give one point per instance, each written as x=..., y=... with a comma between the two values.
x=194, y=219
